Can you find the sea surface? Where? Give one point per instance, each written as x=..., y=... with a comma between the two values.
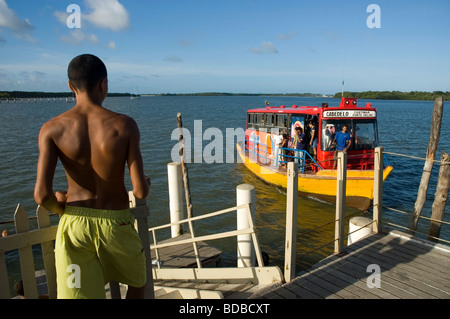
x=404, y=127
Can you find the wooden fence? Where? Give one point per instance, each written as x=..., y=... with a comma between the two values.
x=45, y=234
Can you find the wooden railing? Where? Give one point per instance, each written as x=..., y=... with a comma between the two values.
x=45, y=235
x=250, y=230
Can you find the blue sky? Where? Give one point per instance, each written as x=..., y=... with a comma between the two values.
x=251, y=46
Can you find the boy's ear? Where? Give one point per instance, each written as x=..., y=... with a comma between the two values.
x=71, y=87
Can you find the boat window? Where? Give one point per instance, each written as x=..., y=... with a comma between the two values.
x=282, y=120
x=365, y=136
x=259, y=120
x=364, y=133
x=251, y=121
x=270, y=120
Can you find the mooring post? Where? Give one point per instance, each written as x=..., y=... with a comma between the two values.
x=341, y=182
x=174, y=174
x=290, y=247
x=435, y=133
x=378, y=190
x=245, y=194
x=440, y=198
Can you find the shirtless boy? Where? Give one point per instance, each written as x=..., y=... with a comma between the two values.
x=96, y=234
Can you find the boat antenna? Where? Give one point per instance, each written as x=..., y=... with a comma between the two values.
x=342, y=88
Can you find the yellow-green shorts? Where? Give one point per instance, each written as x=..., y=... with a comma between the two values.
x=94, y=247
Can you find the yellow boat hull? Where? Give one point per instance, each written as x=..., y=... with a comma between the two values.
x=322, y=184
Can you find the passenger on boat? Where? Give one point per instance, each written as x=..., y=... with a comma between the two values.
x=313, y=141
x=277, y=140
x=343, y=141
x=328, y=132
x=284, y=144
x=300, y=145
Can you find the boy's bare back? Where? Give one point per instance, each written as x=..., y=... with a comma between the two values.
x=94, y=145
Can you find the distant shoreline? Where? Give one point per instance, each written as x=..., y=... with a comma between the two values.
x=372, y=95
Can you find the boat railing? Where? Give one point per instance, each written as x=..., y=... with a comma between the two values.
x=301, y=158
x=259, y=152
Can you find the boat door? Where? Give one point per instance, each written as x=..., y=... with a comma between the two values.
x=297, y=121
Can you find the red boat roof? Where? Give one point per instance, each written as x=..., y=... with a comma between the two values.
x=346, y=104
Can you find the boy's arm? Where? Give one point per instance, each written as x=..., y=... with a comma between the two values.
x=48, y=158
x=141, y=183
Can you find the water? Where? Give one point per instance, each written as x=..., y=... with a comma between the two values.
x=404, y=127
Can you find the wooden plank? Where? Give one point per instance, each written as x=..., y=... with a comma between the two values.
x=183, y=255
x=294, y=291
x=4, y=280
x=27, y=239
x=316, y=286
x=26, y=256
x=141, y=211
x=410, y=271
x=391, y=258
x=409, y=278
x=425, y=262
x=333, y=284
x=48, y=253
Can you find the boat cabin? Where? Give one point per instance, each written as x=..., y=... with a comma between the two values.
x=264, y=124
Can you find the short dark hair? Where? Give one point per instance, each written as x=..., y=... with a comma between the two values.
x=85, y=71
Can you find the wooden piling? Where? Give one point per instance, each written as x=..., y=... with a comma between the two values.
x=428, y=167
x=187, y=190
x=340, y=202
x=378, y=190
x=440, y=199
x=184, y=167
x=291, y=222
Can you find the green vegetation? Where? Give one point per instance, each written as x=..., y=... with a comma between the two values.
x=32, y=95
x=371, y=95
x=395, y=95
x=240, y=94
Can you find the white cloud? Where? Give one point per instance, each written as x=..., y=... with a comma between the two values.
x=9, y=20
x=105, y=14
x=265, y=47
x=76, y=37
x=173, y=58
x=112, y=45
x=108, y=14
x=287, y=36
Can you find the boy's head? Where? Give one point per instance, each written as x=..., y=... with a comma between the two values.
x=85, y=72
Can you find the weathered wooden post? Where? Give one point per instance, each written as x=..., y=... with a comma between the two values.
x=341, y=182
x=290, y=247
x=245, y=194
x=141, y=211
x=378, y=190
x=428, y=167
x=440, y=199
x=26, y=256
x=175, y=197
x=184, y=169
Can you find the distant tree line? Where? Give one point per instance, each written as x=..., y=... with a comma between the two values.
x=395, y=95
x=32, y=95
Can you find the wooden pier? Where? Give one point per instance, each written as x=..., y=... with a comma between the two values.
x=183, y=256
x=410, y=268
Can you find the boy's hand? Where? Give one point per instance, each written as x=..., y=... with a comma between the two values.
x=61, y=197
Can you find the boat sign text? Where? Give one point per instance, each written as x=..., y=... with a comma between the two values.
x=350, y=113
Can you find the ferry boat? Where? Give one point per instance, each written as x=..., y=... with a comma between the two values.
x=262, y=153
